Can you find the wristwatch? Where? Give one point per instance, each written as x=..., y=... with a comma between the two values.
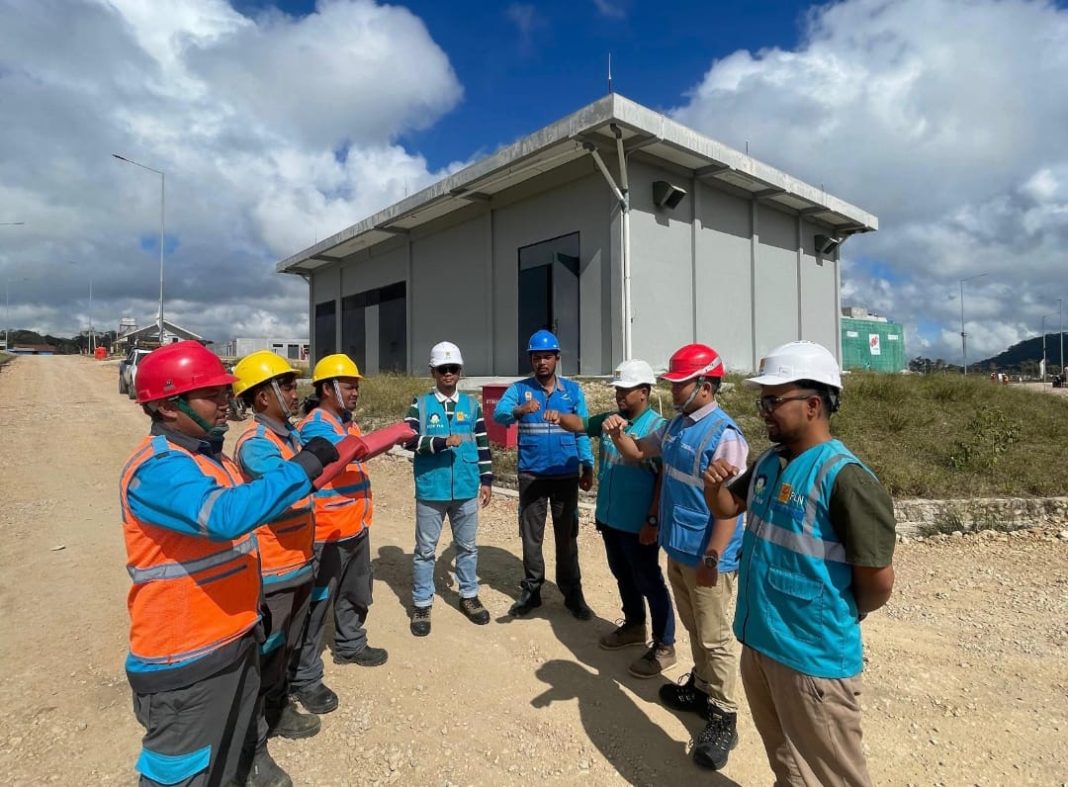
x=652, y=521
x=711, y=560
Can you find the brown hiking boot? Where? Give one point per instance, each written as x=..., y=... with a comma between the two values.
x=627, y=634
x=654, y=661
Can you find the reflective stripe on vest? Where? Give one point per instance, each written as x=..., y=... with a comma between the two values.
x=685, y=521
x=795, y=599
x=286, y=544
x=343, y=508
x=191, y=595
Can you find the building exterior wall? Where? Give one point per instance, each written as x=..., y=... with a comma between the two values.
x=720, y=268
x=857, y=351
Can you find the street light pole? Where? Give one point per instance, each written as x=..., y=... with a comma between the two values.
x=1060, y=329
x=7, y=293
x=963, y=333
x=162, y=211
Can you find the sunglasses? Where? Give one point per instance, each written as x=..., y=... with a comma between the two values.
x=449, y=368
x=768, y=404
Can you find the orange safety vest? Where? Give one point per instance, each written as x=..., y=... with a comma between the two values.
x=285, y=543
x=343, y=508
x=190, y=595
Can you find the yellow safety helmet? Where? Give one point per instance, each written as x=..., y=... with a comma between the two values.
x=259, y=367
x=334, y=366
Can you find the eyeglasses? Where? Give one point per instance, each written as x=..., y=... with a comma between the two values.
x=449, y=368
x=768, y=404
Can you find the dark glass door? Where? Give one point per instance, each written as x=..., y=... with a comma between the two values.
x=549, y=297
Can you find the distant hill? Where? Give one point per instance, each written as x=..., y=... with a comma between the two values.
x=1026, y=354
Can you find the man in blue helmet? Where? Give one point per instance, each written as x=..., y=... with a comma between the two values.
x=553, y=465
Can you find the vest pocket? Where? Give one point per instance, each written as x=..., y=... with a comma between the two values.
x=688, y=530
x=796, y=606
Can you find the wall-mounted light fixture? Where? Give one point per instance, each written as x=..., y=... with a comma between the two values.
x=666, y=195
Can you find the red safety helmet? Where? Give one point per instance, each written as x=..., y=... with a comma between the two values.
x=693, y=360
x=177, y=369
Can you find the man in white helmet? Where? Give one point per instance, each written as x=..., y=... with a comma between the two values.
x=817, y=557
x=453, y=477
x=628, y=494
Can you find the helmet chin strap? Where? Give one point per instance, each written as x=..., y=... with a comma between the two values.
x=337, y=395
x=286, y=412
x=693, y=395
x=209, y=429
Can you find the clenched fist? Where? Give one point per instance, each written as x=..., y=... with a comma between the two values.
x=718, y=473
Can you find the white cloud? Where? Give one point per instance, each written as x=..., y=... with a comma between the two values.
x=273, y=131
x=613, y=9
x=947, y=119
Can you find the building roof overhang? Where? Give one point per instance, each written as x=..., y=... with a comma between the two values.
x=570, y=139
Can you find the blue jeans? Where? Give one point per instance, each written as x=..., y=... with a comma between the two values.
x=636, y=567
x=429, y=518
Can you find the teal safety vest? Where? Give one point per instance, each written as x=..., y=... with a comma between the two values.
x=795, y=597
x=451, y=474
x=685, y=521
x=625, y=488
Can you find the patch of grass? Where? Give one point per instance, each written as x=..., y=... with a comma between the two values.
x=937, y=436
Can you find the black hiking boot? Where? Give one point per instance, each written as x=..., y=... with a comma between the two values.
x=578, y=607
x=267, y=773
x=713, y=746
x=420, y=624
x=317, y=698
x=475, y=612
x=527, y=601
x=685, y=696
x=288, y=722
x=368, y=657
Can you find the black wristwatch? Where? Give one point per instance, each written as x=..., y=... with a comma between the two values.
x=652, y=521
x=711, y=561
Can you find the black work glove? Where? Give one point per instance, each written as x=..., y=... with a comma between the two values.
x=316, y=454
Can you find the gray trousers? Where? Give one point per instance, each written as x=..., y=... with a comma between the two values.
x=284, y=620
x=342, y=582
x=537, y=497
x=212, y=715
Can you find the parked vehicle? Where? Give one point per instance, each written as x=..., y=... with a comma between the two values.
x=128, y=372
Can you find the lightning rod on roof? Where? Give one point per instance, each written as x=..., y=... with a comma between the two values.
x=609, y=72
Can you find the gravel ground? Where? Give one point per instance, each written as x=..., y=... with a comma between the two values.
x=966, y=678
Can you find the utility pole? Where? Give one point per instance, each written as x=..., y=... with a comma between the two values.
x=162, y=204
x=1060, y=329
x=963, y=333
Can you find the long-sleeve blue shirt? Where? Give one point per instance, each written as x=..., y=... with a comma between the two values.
x=546, y=449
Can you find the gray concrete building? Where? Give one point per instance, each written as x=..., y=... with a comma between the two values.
x=625, y=232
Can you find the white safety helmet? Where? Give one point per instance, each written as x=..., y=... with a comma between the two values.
x=444, y=353
x=633, y=373
x=795, y=361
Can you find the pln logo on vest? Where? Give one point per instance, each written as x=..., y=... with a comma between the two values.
x=460, y=416
x=789, y=498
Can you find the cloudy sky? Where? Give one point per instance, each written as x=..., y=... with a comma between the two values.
x=280, y=123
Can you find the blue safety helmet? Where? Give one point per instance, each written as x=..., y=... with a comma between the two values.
x=543, y=341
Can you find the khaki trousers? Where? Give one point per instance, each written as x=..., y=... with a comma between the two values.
x=706, y=613
x=810, y=726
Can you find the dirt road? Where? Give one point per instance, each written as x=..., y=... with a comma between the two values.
x=966, y=681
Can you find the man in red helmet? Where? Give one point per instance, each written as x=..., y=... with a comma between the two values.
x=699, y=434
x=193, y=663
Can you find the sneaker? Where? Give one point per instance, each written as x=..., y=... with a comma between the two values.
x=474, y=611
x=654, y=661
x=527, y=602
x=627, y=634
x=266, y=772
x=368, y=657
x=579, y=608
x=420, y=621
x=316, y=698
x=685, y=696
x=713, y=746
x=288, y=722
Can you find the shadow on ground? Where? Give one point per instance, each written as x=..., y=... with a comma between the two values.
x=639, y=750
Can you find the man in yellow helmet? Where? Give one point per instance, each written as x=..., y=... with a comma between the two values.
x=343, y=512
x=268, y=386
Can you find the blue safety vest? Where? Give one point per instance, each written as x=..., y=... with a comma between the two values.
x=546, y=449
x=685, y=521
x=451, y=474
x=795, y=598
x=624, y=487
